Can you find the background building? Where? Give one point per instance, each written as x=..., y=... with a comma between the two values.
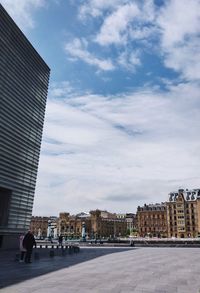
x=70, y=226
x=39, y=226
x=97, y=224
x=183, y=213
x=152, y=220
x=105, y=224
x=131, y=225
x=131, y=221
x=43, y=227
x=23, y=85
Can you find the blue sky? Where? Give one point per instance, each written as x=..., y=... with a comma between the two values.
x=122, y=119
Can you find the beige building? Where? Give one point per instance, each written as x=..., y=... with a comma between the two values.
x=39, y=226
x=105, y=224
x=131, y=223
x=183, y=213
x=152, y=220
x=71, y=225
x=97, y=224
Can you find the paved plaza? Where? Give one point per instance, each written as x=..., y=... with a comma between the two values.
x=101, y=270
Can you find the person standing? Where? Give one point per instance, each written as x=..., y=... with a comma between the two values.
x=21, y=248
x=28, y=243
x=60, y=240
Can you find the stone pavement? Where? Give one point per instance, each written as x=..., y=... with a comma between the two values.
x=117, y=270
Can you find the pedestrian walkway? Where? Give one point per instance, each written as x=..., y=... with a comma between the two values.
x=117, y=270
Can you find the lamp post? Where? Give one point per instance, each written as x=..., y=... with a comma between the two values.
x=83, y=232
x=50, y=231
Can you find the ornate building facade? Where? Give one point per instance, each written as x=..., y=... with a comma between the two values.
x=70, y=226
x=152, y=220
x=105, y=224
x=39, y=226
x=183, y=213
x=97, y=224
x=43, y=227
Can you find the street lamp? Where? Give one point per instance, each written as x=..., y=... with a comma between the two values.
x=83, y=234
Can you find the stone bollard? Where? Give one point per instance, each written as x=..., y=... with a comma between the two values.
x=17, y=256
x=70, y=249
x=36, y=255
x=76, y=249
x=63, y=251
x=51, y=253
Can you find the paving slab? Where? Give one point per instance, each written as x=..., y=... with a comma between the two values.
x=96, y=270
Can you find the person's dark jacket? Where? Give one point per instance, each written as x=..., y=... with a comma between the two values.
x=29, y=241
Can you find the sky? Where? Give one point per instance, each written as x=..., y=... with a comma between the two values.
x=122, y=118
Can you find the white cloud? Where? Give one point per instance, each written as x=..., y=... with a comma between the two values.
x=77, y=50
x=96, y=8
x=175, y=25
x=22, y=11
x=114, y=28
x=143, y=33
x=60, y=89
x=129, y=60
x=179, y=22
x=99, y=148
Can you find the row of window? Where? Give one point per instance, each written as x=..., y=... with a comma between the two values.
x=12, y=35
x=174, y=206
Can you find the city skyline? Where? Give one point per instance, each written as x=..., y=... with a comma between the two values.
x=122, y=117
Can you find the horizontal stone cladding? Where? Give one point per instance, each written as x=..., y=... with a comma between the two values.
x=24, y=78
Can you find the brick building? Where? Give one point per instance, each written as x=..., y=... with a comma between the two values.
x=98, y=224
x=71, y=225
x=39, y=226
x=105, y=224
x=152, y=220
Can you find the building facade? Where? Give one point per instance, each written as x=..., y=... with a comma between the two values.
x=97, y=224
x=107, y=225
x=39, y=226
x=71, y=226
x=23, y=88
x=183, y=213
x=131, y=222
x=152, y=220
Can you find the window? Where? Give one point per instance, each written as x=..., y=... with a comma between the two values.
x=5, y=195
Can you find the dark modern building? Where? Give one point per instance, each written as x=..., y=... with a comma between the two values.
x=24, y=80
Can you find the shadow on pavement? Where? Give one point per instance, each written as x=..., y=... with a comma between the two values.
x=13, y=272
